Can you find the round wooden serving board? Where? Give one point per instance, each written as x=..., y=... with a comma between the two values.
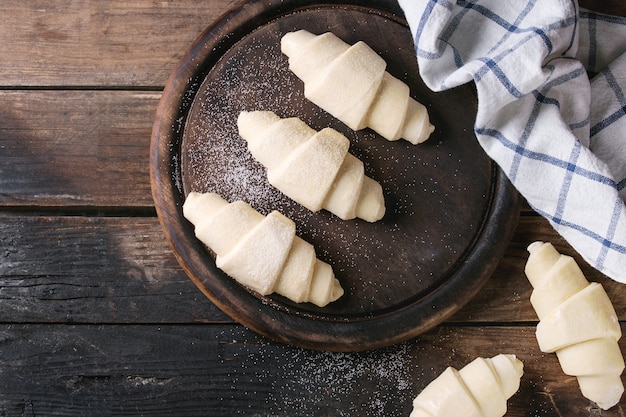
x=450, y=212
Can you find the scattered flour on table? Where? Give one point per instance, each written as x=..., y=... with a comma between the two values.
x=376, y=385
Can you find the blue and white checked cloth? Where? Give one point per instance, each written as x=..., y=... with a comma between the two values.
x=559, y=137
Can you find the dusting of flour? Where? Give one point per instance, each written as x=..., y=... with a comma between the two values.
x=350, y=384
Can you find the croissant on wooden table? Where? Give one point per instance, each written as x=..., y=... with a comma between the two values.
x=577, y=321
x=480, y=389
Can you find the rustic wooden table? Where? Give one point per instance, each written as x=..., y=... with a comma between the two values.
x=98, y=318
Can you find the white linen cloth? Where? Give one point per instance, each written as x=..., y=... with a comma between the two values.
x=559, y=137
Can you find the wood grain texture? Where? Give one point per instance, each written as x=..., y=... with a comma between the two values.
x=99, y=43
x=612, y=7
x=112, y=43
x=506, y=294
x=97, y=317
x=76, y=148
x=121, y=270
x=94, y=270
x=223, y=370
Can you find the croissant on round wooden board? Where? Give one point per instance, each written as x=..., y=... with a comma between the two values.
x=313, y=168
x=351, y=83
x=261, y=252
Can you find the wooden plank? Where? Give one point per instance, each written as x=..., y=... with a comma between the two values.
x=222, y=370
x=76, y=148
x=507, y=292
x=121, y=270
x=614, y=7
x=96, y=154
x=109, y=43
x=96, y=43
x=94, y=270
x=119, y=43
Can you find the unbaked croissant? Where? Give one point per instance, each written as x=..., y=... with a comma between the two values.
x=350, y=82
x=261, y=252
x=577, y=322
x=313, y=168
x=480, y=389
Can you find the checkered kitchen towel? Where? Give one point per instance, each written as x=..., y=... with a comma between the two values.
x=559, y=137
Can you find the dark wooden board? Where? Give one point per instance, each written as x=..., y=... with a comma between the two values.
x=114, y=43
x=613, y=7
x=450, y=211
x=76, y=148
x=144, y=350
x=121, y=270
x=94, y=270
x=225, y=370
x=99, y=44
x=505, y=297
